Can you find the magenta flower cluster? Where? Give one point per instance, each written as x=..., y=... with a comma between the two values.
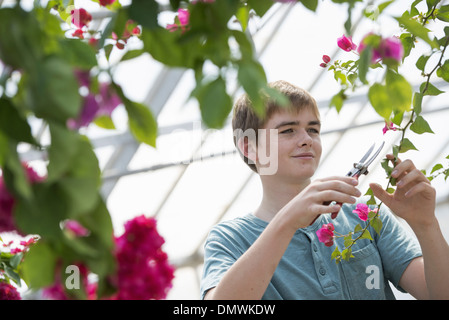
x=326, y=233
x=8, y=292
x=95, y=104
x=143, y=268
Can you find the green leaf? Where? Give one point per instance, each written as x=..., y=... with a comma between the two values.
x=144, y=12
x=380, y=100
x=406, y=145
x=366, y=235
x=436, y=167
x=13, y=124
x=21, y=38
x=78, y=53
x=422, y=61
x=399, y=91
x=376, y=223
x=251, y=76
x=417, y=102
x=364, y=63
x=142, y=124
x=338, y=100
x=215, y=103
x=431, y=90
x=53, y=90
x=357, y=228
x=260, y=6
x=39, y=266
x=443, y=71
x=336, y=254
x=420, y=126
x=443, y=13
x=417, y=29
x=310, y=4
x=42, y=213
x=346, y=254
x=242, y=16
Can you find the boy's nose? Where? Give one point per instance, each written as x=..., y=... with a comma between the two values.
x=304, y=139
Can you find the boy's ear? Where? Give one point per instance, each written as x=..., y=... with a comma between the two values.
x=248, y=148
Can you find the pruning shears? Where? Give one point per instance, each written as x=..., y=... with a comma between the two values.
x=360, y=168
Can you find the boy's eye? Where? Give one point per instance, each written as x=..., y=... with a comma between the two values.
x=287, y=131
x=313, y=130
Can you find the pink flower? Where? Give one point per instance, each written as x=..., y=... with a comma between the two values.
x=143, y=269
x=362, y=210
x=104, y=3
x=101, y=104
x=391, y=48
x=388, y=48
x=76, y=228
x=326, y=60
x=326, y=234
x=8, y=292
x=80, y=17
x=183, y=18
x=388, y=126
x=346, y=43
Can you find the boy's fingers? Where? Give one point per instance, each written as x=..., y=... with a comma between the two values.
x=380, y=193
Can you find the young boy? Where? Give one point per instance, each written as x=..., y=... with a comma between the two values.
x=274, y=252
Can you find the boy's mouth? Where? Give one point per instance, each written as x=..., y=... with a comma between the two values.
x=304, y=155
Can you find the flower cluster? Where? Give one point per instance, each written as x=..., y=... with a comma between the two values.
x=326, y=233
x=80, y=18
x=8, y=292
x=131, y=29
x=95, y=104
x=382, y=49
x=143, y=268
x=7, y=201
x=181, y=21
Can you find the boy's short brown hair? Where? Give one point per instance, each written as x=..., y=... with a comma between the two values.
x=244, y=117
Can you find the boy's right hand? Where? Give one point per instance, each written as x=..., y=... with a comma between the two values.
x=305, y=207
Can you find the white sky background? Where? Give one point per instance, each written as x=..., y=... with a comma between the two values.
x=208, y=187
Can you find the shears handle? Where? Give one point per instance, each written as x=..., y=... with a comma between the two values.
x=335, y=214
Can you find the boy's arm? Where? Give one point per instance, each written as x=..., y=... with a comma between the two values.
x=249, y=276
x=414, y=201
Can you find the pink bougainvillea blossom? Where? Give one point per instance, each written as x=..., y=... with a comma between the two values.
x=326, y=234
x=346, y=43
x=98, y=104
x=76, y=228
x=182, y=21
x=326, y=60
x=7, y=200
x=104, y=3
x=391, y=48
x=143, y=268
x=388, y=127
x=362, y=211
x=387, y=48
x=80, y=17
x=8, y=292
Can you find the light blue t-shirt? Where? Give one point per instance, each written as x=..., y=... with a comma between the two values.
x=306, y=270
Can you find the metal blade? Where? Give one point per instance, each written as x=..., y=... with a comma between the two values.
x=367, y=153
x=367, y=163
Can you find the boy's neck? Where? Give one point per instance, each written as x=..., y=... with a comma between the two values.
x=275, y=197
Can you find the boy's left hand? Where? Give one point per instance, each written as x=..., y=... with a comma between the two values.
x=414, y=197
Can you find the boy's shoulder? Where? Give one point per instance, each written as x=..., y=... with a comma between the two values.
x=240, y=229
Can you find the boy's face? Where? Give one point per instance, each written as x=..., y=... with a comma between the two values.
x=299, y=143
